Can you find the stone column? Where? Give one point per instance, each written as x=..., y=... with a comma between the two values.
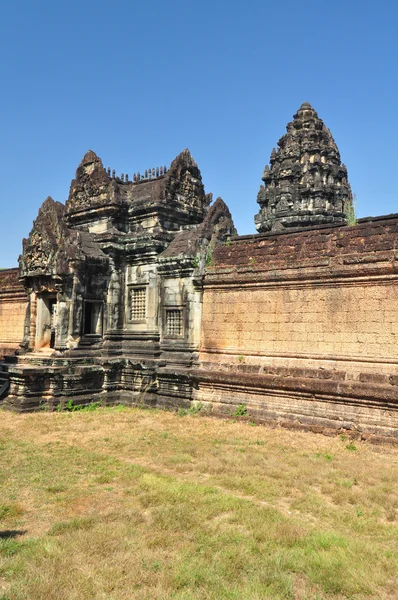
x=62, y=325
x=115, y=304
x=32, y=319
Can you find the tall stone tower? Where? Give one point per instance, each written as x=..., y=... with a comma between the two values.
x=306, y=184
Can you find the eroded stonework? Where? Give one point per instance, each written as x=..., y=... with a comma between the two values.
x=306, y=184
x=114, y=286
x=138, y=291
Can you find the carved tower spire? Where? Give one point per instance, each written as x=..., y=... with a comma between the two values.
x=306, y=184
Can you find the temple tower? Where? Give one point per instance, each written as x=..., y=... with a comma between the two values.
x=305, y=185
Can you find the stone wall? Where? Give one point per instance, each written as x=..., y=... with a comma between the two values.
x=302, y=328
x=13, y=304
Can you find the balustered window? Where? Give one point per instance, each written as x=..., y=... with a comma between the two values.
x=174, y=322
x=137, y=303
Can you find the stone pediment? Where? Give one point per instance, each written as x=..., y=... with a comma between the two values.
x=52, y=246
x=92, y=186
x=215, y=229
x=184, y=183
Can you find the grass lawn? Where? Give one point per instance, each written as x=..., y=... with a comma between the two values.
x=127, y=503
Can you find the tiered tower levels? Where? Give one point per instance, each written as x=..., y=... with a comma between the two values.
x=305, y=185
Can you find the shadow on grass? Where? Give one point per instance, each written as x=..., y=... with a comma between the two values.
x=11, y=533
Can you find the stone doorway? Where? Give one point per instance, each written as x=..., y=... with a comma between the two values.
x=92, y=322
x=46, y=324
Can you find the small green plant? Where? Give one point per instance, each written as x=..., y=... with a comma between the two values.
x=196, y=261
x=92, y=406
x=241, y=358
x=228, y=242
x=252, y=260
x=9, y=547
x=196, y=408
x=70, y=405
x=350, y=210
x=193, y=410
x=326, y=455
x=10, y=510
x=241, y=410
x=351, y=447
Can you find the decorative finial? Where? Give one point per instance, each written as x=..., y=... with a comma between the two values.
x=266, y=173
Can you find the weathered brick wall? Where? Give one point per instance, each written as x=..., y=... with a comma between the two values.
x=12, y=311
x=313, y=313
x=327, y=292
x=358, y=320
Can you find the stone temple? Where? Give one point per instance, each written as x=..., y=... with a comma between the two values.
x=140, y=291
x=306, y=184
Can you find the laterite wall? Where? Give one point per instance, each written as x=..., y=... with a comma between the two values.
x=13, y=304
x=312, y=313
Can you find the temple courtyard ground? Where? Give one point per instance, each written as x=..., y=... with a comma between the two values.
x=121, y=503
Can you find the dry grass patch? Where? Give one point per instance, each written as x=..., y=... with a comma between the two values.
x=120, y=504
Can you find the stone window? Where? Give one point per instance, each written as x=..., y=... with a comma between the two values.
x=174, y=322
x=137, y=304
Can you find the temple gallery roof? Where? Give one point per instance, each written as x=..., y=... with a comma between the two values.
x=94, y=185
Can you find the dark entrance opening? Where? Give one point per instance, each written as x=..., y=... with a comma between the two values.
x=92, y=322
x=53, y=316
x=88, y=318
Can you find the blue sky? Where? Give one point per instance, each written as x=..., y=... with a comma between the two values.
x=139, y=82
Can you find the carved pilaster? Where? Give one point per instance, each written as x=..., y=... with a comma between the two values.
x=32, y=319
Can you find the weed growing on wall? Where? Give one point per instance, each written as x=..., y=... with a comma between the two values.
x=350, y=211
x=241, y=410
x=70, y=406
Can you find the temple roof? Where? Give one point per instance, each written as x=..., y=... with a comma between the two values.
x=95, y=188
x=305, y=184
x=215, y=228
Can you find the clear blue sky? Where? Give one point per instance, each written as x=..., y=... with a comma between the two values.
x=138, y=82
